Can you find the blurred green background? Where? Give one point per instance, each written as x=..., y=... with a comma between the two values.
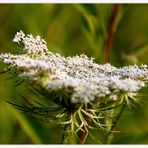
x=71, y=29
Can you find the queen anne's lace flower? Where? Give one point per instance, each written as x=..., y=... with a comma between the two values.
x=81, y=88
x=83, y=80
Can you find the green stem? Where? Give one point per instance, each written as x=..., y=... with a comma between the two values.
x=110, y=134
x=64, y=139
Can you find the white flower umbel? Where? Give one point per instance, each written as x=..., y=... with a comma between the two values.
x=75, y=82
x=88, y=81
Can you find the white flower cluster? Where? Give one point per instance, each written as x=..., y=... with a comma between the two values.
x=79, y=77
x=31, y=44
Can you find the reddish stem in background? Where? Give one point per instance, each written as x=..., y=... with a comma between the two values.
x=111, y=31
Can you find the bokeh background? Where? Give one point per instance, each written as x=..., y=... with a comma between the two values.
x=71, y=29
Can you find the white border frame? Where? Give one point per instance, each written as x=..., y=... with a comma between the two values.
x=74, y=1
